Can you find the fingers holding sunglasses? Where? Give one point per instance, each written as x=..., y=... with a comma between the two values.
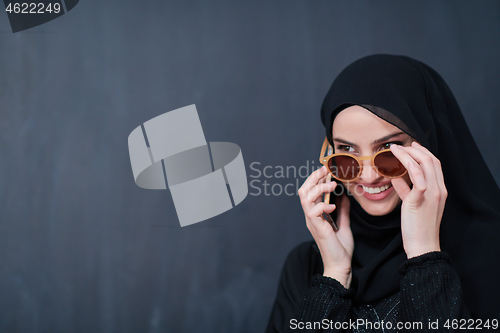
x=423, y=205
x=419, y=165
x=437, y=167
x=440, y=193
x=431, y=167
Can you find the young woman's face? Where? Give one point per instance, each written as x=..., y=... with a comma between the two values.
x=359, y=132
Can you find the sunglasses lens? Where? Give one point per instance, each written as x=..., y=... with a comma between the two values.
x=388, y=165
x=344, y=167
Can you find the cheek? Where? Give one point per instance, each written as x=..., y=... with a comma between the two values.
x=347, y=186
x=352, y=189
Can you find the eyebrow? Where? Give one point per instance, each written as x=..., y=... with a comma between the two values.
x=385, y=138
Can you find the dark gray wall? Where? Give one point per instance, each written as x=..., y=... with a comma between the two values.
x=83, y=249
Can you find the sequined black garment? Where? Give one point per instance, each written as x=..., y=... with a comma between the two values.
x=430, y=292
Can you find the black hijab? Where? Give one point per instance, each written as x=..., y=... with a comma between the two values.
x=413, y=97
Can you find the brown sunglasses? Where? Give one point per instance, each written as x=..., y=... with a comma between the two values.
x=347, y=167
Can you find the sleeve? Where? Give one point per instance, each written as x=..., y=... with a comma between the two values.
x=430, y=291
x=304, y=296
x=327, y=299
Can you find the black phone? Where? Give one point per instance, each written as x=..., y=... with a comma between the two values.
x=327, y=216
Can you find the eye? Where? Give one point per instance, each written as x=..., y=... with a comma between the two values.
x=344, y=149
x=388, y=145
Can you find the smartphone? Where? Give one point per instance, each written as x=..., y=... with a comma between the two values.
x=326, y=199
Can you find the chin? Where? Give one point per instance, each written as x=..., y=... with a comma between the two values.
x=379, y=208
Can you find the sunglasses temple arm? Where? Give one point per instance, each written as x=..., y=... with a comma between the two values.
x=323, y=148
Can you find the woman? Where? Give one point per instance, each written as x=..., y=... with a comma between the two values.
x=416, y=249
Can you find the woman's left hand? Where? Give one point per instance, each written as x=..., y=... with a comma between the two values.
x=423, y=205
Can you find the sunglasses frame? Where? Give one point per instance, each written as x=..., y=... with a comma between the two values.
x=325, y=159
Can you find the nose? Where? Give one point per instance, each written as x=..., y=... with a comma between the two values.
x=369, y=174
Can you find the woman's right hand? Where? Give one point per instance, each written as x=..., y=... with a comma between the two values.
x=336, y=247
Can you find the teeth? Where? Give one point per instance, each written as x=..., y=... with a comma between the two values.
x=374, y=190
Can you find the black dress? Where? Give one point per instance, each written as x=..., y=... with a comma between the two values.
x=430, y=294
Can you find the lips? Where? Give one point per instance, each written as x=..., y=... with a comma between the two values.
x=375, y=193
x=376, y=190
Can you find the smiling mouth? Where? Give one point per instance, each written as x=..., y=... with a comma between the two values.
x=375, y=190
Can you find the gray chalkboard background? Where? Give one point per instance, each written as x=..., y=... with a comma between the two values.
x=83, y=249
